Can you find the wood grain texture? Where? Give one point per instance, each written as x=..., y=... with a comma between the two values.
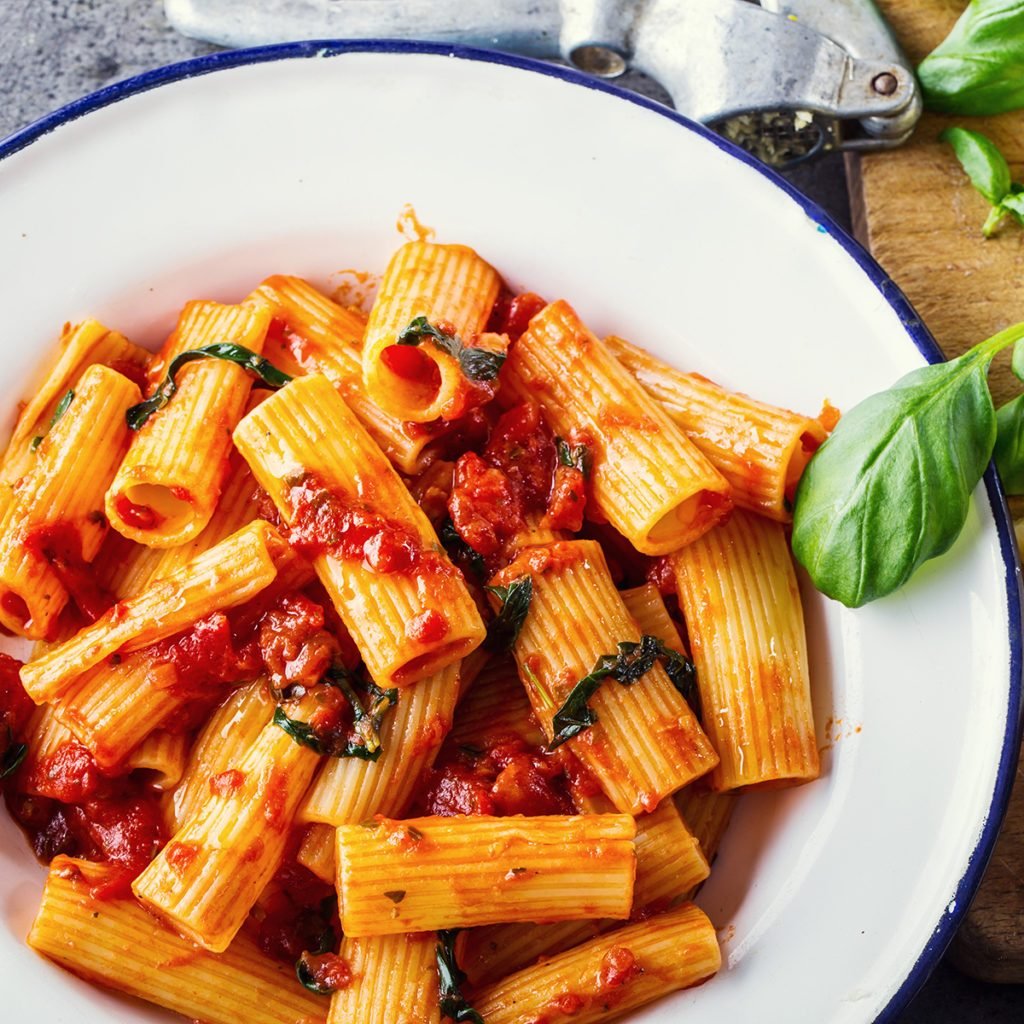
x=914, y=208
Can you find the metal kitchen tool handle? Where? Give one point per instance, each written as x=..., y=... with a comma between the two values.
x=786, y=79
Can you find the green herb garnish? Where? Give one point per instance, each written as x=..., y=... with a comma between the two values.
x=366, y=720
x=989, y=173
x=395, y=895
x=573, y=456
x=891, y=487
x=268, y=374
x=629, y=665
x=477, y=364
x=515, y=599
x=449, y=981
x=978, y=69
x=304, y=970
x=58, y=412
x=459, y=550
x=12, y=756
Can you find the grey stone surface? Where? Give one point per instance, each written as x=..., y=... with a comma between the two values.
x=53, y=51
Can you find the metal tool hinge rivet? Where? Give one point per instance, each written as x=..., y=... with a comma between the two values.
x=885, y=84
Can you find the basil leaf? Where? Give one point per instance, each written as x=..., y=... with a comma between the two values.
x=982, y=162
x=1009, y=449
x=978, y=69
x=1017, y=364
x=250, y=361
x=366, y=720
x=304, y=970
x=573, y=456
x=459, y=550
x=632, y=662
x=1013, y=203
x=515, y=599
x=395, y=895
x=303, y=734
x=477, y=364
x=58, y=412
x=891, y=487
x=12, y=756
x=450, y=979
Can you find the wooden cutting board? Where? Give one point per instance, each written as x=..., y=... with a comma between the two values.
x=915, y=210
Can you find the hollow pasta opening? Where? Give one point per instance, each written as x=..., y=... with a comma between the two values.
x=156, y=506
x=433, y=661
x=412, y=374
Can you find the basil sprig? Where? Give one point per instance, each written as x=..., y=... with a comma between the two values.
x=891, y=487
x=450, y=978
x=515, y=599
x=989, y=173
x=268, y=374
x=477, y=364
x=58, y=412
x=630, y=664
x=13, y=755
x=978, y=69
x=366, y=720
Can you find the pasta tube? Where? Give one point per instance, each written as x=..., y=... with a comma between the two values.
x=610, y=974
x=647, y=478
x=407, y=608
x=316, y=852
x=55, y=519
x=87, y=344
x=116, y=943
x=760, y=449
x=646, y=742
x=168, y=485
x=428, y=873
x=739, y=596
x=231, y=572
x=207, y=878
x=394, y=981
x=162, y=755
x=224, y=740
x=706, y=814
x=454, y=290
x=647, y=607
x=312, y=334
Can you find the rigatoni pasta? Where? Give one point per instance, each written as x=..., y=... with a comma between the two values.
x=648, y=480
x=305, y=723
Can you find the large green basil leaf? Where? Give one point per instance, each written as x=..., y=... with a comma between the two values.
x=1009, y=450
x=978, y=69
x=890, y=488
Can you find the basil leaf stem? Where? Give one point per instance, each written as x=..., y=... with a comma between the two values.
x=978, y=69
x=891, y=487
x=459, y=550
x=477, y=364
x=515, y=599
x=632, y=662
x=450, y=979
x=268, y=375
x=58, y=412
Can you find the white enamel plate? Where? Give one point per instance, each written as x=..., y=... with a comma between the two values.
x=833, y=900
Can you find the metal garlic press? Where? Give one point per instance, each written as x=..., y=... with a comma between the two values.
x=788, y=80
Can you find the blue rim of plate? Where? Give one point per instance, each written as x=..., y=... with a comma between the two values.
x=912, y=324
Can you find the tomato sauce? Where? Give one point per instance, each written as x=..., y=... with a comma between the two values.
x=512, y=313
x=139, y=517
x=510, y=777
x=60, y=544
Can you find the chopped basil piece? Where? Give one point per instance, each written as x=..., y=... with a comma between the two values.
x=629, y=665
x=477, y=364
x=366, y=720
x=515, y=599
x=395, y=895
x=58, y=412
x=304, y=970
x=573, y=456
x=12, y=757
x=458, y=549
x=268, y=375
x=450, y=979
